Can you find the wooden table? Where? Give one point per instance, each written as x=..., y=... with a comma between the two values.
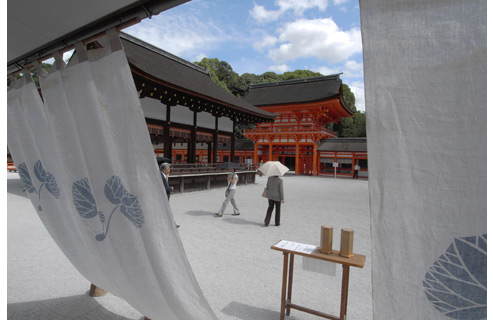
x=356, y=260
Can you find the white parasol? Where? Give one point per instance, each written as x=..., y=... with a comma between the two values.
x=273, y=168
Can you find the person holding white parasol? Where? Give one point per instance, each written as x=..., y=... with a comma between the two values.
x=275, y=189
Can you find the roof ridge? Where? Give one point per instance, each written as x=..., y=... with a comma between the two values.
x=294, y=81
x=164, y=53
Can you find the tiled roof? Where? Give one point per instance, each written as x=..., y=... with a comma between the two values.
x=343, y=144
x=295, y=91
x=183, y=74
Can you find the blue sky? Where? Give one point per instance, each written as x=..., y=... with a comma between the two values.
x=258, y=36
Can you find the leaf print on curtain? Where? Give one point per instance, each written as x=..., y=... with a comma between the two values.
x=47, y=180
x=115, y=192
x=25, y=177
x=456, y=283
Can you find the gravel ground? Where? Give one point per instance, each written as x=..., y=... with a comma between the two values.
x=231, y=257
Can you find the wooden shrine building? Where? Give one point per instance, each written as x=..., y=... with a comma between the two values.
x=305, y=107
x=184, y=108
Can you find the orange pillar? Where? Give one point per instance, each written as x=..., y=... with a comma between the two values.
x=270, y=150
x=315, y=165
x=297, y=158
x=255, y=153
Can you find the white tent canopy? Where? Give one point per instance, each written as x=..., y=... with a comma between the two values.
x=39, y=28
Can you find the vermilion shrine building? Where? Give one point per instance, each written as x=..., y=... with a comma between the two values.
x=305, y=107
x=190, y=118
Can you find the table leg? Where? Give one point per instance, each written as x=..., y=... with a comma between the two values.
x=344, y=291
x=284, y=276
x=290, y=281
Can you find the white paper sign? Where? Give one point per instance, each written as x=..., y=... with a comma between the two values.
x=295, y=246
x=335, y=164
x=309, y=264
x=319, y=266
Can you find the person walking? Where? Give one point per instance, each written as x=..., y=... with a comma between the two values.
x=275, y=194
x=356, y=171
x=165, y=169
x=230, y=194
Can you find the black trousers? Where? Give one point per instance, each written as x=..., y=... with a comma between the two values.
x=355, y=175
x=269, y=212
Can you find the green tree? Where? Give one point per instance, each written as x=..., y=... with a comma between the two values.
x=243, y=83
x=221, y=72
x=348, y=96
x=300, y=74
x=269, y=76
x=351, y=127
x=224, y=75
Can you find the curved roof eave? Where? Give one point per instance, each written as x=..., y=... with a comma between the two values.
x=183, y=76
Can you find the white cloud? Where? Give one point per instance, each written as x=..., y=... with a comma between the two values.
x=280, y=68
x=200, y=56
x=358, y=89
x=299, y=6
x=183, y=36
x=353, y=69
x=320, y=38
x=262, y=15
x=327, y=71
x=267, y=42
x=339, y=2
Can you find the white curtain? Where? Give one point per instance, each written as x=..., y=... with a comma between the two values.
x=85, y=158
x=425, y=88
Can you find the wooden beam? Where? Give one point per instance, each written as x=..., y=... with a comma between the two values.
x=214, y=137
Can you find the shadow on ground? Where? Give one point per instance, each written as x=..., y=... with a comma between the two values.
x=15, y=186
x=226, y=217
x=200, y=213
x=82, y=307
x=238, y=220
x=247, y=312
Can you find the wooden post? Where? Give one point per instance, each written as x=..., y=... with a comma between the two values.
x=167, y=145
x=255, y=153
x=344, y=291
x=95, y=291
x=270, y=150
x=290, y=281
x=209, y=152
x=232, y=157
x=214, y=138
x=297, y=158
x=284, y=280
x=314, y=166
x=193, y=138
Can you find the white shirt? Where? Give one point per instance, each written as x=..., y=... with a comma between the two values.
x=233, y=185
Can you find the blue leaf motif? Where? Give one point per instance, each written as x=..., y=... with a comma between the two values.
x=25, y=177
x=102, y=218
x=131, y=209
x=39, y=171
x=114, y=190
x=84, y=201
x=456, y=283
x=51, y=185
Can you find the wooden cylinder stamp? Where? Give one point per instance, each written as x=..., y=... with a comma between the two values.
x=347, y=238
x=326, y=234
